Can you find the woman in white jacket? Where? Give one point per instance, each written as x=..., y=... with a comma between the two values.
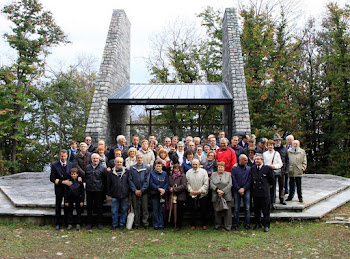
x=273, y=159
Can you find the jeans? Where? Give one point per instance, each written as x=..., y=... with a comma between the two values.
x=157, y=219
x=246, y=200
x=122, y=204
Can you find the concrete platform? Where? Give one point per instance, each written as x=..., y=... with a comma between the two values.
x=30, y=197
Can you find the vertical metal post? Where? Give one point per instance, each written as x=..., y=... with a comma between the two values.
x=150, y=123
x=230, y=120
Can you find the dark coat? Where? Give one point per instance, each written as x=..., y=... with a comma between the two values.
x=124, y=153
x=95, y=178
x=91, y=149
x=241, y=178
x=118, y=186
x=174, y=157
x=238, y=151
x=80, y=162
x=284, y=156
x=75, y=191
x=179, y=185
x=137, y=147
x=58, y=174
x=158, y=180
x=262, y=180
x=139, y=177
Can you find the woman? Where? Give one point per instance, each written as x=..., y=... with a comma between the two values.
x=297, y=166
x=131, y=159
x=206, y=149
x=103, y=159
x=152, y=146
x=211, y=163
x=72, y=151
x=187, y=164
x=147, y=153
x=251, y=156
x=220, y=184
x=164, y=158
x=177, y=188
x=200, y=155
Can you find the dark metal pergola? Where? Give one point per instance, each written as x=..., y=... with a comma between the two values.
x=175, y=94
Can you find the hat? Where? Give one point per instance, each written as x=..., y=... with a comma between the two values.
x=277, y=137
x=262, y=140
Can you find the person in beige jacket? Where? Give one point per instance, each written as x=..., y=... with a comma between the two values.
x=297, y=166
x=147, y=153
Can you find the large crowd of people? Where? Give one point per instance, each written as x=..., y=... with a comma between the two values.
x=202, y=177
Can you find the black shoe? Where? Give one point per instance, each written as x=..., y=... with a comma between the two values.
x=88, y=227
x=257, y=226
x=57, y=227
x=122, y=227
x=155, y=228
x=301, y=200
x=146, y=227
x=283, y=202
x=136, y=227
x=113, y=228
x=266, y=229
x=100, y=226
x=289, y=199
x=70, y=227
x=247, y=226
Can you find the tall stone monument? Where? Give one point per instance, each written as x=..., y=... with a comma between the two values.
x=233, y=72
x=114, y=74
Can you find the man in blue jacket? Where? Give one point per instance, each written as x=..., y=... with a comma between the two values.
x=60, y=175
x=138, y=181
x=241, y=181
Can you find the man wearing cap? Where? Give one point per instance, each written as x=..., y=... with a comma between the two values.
x=262, y=144
x=285, y=168
x=252, y=145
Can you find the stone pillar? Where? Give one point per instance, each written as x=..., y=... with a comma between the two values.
x=233, y=72
x=114, y=74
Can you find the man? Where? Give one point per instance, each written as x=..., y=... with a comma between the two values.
x=220, y=136
x=95, y=176
x=60, y=175
x=285, y=168
x=82, y=159
x=212, y=143
x=197, y=141
x=244, y=141
x=188, y=140
x=174, y=141
x=147, y=154
x=192, y=146
x=237, y=148
x=167, y=143
x=262, y=145
x=135, y=142
x=152, y=137
x=252, y=145
x=101, y=143
x=139, y=181
x=262, y=179
x=121, y=144
x=198, y=186
x=289, y=144
x=226, y=154
x=178, y=156
x=90, y=147
x=241, y=181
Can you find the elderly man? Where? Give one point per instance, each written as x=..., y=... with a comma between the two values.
x=121, y=144
x=167, y=143
x=90, y=147
x=82, y=159
x=220, y=136
x=188, y=140
x=135, y=142
x=139, y=175
x=297, y=166
x=197, y=141
x=60, y=175
x=289, y=144
x=198, y=186
x=213, y=145
x=192, y=146
x=178, y=156
x=241, y=181
x=147, y=154
x=95, y=176
x=244, y=141
x=174, y=141
x=252, y=145
x=226, y=154
x=237, y=148
x=262, y=179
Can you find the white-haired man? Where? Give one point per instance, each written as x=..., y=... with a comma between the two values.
x=121, y=144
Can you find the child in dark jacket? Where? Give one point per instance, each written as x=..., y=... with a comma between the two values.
x=74, y=195
x=158, y=183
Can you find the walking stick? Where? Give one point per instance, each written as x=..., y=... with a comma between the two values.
x=171, y=206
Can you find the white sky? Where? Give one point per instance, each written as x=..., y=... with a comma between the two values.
x=86, y=22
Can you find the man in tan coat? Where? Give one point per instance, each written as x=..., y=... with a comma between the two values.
x=297, y=166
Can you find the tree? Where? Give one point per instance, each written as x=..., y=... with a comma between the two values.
x=33, y=34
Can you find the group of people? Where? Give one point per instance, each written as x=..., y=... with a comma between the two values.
x=201, y=176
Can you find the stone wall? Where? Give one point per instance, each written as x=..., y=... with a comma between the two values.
x=233, y=72
x=114, y=74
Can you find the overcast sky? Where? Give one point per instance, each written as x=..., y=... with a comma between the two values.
x=86, y=22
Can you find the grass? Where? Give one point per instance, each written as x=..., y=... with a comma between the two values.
x=296, y=239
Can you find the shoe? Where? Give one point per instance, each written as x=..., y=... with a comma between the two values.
x=77, y=227
x=257, y=226
x=146, y=227
x=122, y=227
x=204, y=227
x=113, y=228
x=155, y=228
x=235, y=227
x=136, y=227
x=100, y=227
x=228, y=229
x=283, y=202
x=301, y=200
x=193, y=228
x=57, y=227
x=246, y=227
x=289, y=199
x=88, y=227
x=266, y=229
x=217, y=228
x=69, y=227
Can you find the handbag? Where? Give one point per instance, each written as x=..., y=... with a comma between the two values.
x=276, y=171
x=130, y=218
x=221, y=204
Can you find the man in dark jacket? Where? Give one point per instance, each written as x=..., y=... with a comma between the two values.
x=121, y=144
x=262, y=180
x=60, y=175
x=118, y=192
x=82, y=159
x=139, y=181
x=95, y=176
x=241, y=181
x=90, y=148
x=237, y=148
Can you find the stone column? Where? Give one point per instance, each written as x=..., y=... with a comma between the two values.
x=233, y=72
x=114, y=74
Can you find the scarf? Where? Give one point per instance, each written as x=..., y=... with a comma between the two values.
x=209, y=166
x=176, y=175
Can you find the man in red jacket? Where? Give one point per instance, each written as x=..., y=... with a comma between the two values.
x=226, y=154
